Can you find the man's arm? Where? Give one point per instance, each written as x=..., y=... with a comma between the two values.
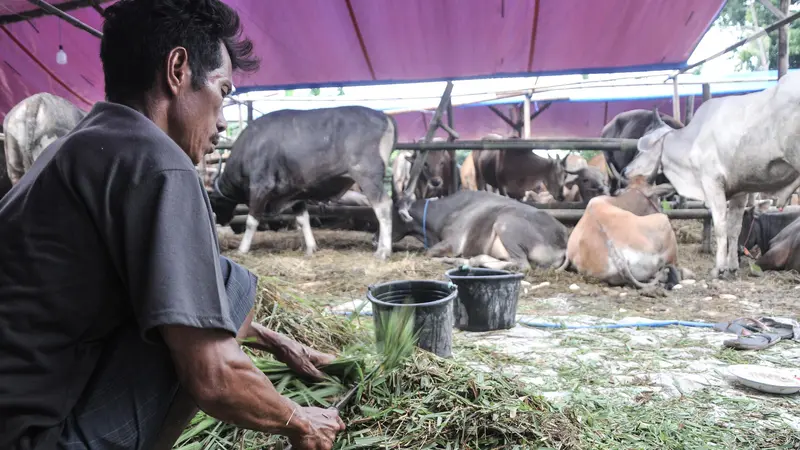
x=226, y=385
x=301, y=359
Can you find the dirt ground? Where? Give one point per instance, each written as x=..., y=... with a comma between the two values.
x=344, y=267
x=636, y=388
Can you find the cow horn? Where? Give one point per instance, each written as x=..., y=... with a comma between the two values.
x=657, y=117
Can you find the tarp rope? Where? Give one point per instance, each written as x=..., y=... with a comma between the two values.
x=557, y=326
x=424, y=224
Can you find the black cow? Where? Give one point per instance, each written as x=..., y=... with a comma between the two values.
x=478, y=223
x=631, y=124
x=760, y=225
x=287, y=157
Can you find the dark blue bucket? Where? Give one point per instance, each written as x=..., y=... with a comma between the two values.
x=487, y=298
x=432, y=302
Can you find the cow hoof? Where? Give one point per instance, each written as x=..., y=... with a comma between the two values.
x=724, y=274
x=382, y=255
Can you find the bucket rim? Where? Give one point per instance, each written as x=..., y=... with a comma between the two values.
x=503, y=276
x=445, y=285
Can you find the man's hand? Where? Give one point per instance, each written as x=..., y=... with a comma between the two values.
x=319, y=430
x=303, y=360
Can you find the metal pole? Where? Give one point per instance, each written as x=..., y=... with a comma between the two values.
x=453, y=163
x=750, y=38
x=241, y=118
x=419, y=162
x=66, y=17
x=526, y=116
x=249, y=112
x=676, y=99
x=783, y=44
x=525, y=144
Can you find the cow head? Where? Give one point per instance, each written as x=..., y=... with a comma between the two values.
x=223, y=206
x=748, y=237
x=650, y=146
x=435, y=171
x=555, y=177
x=591, y=183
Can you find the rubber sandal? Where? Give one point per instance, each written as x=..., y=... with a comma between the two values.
x=743, y=326
x=787, y=328
x=758, y=341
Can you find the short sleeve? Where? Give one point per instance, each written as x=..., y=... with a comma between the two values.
x=172, y=257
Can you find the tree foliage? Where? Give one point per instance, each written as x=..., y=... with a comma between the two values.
x=738, y=14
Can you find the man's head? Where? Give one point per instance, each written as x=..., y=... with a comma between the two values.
x=174, y=61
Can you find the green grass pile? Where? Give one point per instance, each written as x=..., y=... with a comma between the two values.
x=415, y=399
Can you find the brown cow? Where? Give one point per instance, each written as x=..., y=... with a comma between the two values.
x=626, y=239
x=468, y=182
x=436, y=179
x=598, y=161
x=485, y=162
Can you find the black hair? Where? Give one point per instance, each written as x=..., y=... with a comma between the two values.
x=139, y=34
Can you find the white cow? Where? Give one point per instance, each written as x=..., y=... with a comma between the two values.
x=733, y=146
x=32, y=125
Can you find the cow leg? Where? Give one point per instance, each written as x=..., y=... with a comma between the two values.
x=717, y=203
x=304, y=222
x=734, y=226
x=372, y=187
x=441, y=249
x=259, y=198
x=491, y=263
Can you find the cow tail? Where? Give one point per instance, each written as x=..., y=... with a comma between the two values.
x=621, y=263
x=564, y=265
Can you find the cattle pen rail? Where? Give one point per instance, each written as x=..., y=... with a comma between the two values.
x=564, y=215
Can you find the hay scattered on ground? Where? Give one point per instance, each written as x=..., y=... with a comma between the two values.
x=424, y=402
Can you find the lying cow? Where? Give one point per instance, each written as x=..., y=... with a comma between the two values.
x=287, y=157
x=474, y=223
x=32, y=125
x=625, y=239
x=733, y=146
x=783, y=251
x=631, y=124
x=760, y=224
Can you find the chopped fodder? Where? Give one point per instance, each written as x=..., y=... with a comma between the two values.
x=416, y=401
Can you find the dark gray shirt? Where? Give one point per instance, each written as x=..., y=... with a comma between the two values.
x=110, y=225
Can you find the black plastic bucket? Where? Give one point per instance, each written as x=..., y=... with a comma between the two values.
x=432, y=302
x=487, y=298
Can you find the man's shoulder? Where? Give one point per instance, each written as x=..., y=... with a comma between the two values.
x=115, y=137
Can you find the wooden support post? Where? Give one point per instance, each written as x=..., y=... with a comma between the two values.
x=505, y=118
x=676, y=99
x=249, y=112
x=526, y=116
x=783, y=43
x=453, y=136
x=689, y=109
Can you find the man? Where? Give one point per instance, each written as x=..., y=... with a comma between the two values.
x=118, y=317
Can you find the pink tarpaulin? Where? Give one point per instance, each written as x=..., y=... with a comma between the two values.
x=306, y=43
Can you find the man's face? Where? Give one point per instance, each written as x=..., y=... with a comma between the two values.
x=196, y=115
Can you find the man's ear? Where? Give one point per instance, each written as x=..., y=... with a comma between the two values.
x=178, y=72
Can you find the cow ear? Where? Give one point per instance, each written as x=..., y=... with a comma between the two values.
x=410, y=158
x=651, y=140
